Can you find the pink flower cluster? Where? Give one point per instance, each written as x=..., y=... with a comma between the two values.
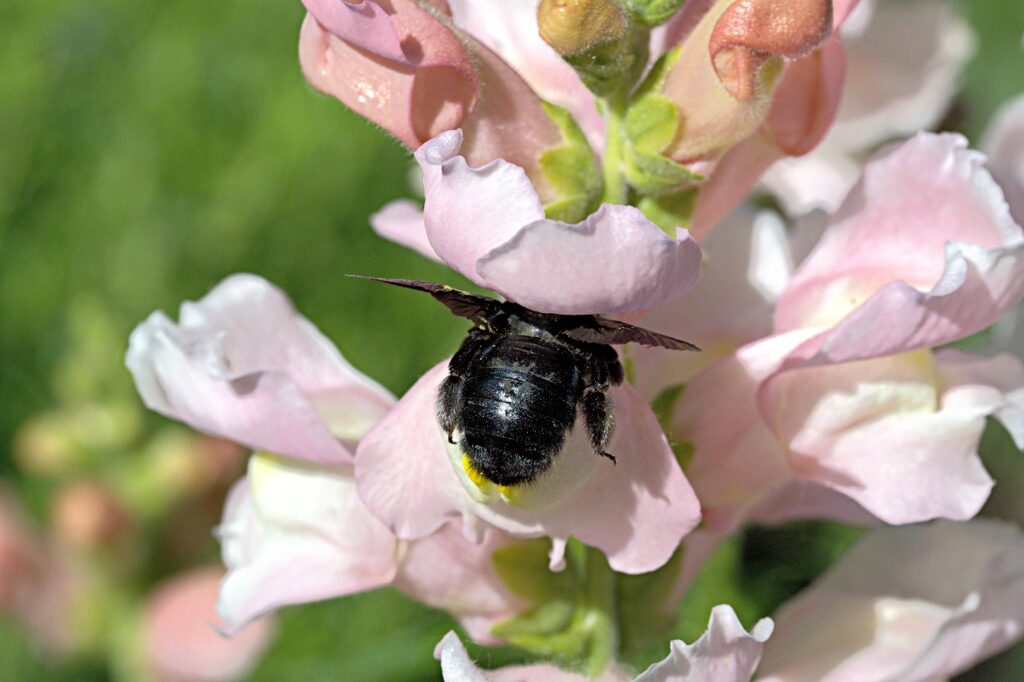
x=827, y=387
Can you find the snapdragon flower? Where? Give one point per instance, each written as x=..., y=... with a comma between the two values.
x=243, y=364
x=845, y=396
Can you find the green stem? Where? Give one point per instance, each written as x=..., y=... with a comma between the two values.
x=615, y=189
x=600, y=611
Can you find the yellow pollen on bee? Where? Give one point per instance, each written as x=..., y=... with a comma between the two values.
x=509, y=493
x=478, y=479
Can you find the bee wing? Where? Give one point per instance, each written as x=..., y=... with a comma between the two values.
x=613, y=332
x=479, y=309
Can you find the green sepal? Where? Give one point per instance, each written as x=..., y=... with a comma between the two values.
x=613, y=66
x=650, y=126
x=670, y=211
x=571, y=170
x=654, y=175
x=653, y=12
x=570, y=623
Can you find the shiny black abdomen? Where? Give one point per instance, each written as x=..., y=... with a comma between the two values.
x=517, y=402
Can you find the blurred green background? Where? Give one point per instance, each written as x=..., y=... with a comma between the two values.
x=148, y=149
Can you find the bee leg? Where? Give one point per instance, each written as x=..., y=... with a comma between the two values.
x=600, y=421
x=449, y=394
x=606, y=365
x=448, y=397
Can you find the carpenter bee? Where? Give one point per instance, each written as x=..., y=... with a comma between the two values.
x=519, y=379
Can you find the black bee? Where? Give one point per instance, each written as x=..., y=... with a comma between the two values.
x=517, y=382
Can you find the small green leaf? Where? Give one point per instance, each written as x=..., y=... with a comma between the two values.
x=669, y=211
x=651, y=124
x=654, y=175
x=654, y=12
x=656, y=76
x=572, y=171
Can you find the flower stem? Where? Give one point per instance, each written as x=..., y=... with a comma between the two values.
x=600, y=609
x=615, y=188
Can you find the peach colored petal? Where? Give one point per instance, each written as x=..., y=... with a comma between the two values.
x=349, y=53
x=181, y=644
x=749, y=32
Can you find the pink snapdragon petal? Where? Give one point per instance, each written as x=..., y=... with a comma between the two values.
x=508, y=121
x=294, y=533
x=977, y=288
x=363, y=24
x=428, y=88
x=401, y=221
x=244, y=365
x=1004, y=144
x=636, y=512
x=746, y=264
x=447, y=571
x=880, y=432
x=905, y=60
x=804, y=105
x=179, y=641
x=905, y=605
x=895, y=225
x=726, y=652
x=737, y=459
x=990, y=386
x=488, y=224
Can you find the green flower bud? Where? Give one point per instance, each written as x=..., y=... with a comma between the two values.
x=654, y=12
x=598, y=38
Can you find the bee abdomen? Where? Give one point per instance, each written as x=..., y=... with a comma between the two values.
x=518, y=401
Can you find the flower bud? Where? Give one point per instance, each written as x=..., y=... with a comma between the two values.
x=573, y=27
x=654, y=12
x=86, y=515
x=750, y=32
x=597, y=38
x=716, y=88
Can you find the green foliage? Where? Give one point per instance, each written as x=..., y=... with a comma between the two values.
x=613, y=66
x=380, y=635
x=651, y=124
x=572, y=171
x=573, y=621
x=654, y=12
